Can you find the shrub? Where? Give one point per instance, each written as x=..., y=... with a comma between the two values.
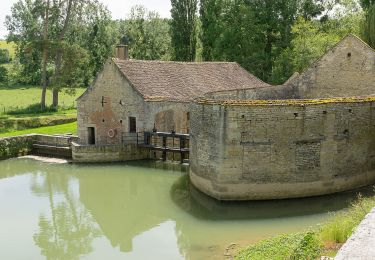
x=4, y=56
x=32, y=109
x=3, y=74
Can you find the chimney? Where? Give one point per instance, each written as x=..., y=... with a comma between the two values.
x=122, y=52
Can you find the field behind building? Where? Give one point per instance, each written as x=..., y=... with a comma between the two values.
x=20, y=112
x=20, y=98
x=9, y=46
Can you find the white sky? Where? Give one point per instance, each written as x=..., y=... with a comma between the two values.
x=119, y=9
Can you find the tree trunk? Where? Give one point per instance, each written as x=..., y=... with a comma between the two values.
x=55, y=100
x=44, y=59
x=59, y=55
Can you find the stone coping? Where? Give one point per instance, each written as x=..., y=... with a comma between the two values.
x=361, y=245
x=36, y=135
x=76, y=144
x=287, y=102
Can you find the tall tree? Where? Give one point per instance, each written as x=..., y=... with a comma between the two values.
x=45, y=57
x=183, y=29
x=147, y=35
x=210, y=16
x=75, y=27
x=368, y=31
x=59, y=52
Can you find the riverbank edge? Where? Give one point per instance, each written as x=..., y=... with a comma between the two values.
x=324, y=242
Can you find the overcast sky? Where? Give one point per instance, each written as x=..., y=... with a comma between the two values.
x=119, y=9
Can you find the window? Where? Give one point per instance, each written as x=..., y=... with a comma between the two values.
x=132, y=124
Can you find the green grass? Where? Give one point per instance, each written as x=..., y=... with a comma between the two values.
x=324, y=241
x=9, y=46
x=31, y=116
x=341, y=225
x=292, y=246
x=50, y=130
x=22, y=97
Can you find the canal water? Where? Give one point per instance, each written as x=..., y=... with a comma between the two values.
x=143, y=210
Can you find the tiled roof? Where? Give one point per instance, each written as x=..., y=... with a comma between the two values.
x=185, y=81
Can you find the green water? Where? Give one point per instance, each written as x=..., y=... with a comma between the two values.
x=142, y=210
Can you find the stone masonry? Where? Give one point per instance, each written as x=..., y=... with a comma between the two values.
x=242, y=151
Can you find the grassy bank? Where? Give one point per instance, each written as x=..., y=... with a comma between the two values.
x=17, y=98
x=51, y=130
x=321, y=241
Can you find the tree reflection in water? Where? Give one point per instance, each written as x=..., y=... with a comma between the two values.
x=68, y=231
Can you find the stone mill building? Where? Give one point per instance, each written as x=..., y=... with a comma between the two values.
x=313, y=135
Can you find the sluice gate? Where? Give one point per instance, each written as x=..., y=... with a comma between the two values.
x=176, y=144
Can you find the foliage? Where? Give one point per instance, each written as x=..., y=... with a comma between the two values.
x=211, y=25
x=32, y=109
x=292, y=246
x=51, y=130
x=4, y=56
x=14, y=147
x=10, y=46
x=74, y=38
x=3, y=74
x=183, y=29
x=312, y=244
x=368, y=30
x=311, y=39
x=342, y=225
x=147, y=35
x=271, y=39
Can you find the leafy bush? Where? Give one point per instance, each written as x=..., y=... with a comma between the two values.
x=3, y=74
x=32, y=109
x=4, y=56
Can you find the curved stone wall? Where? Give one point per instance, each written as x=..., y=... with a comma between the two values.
x=255, y=150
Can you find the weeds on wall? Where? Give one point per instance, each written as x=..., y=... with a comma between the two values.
x=14, y=147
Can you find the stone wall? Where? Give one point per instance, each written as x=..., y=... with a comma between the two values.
x=107, y=153
x=11, y=147
x=277, y=150
x=346, y=70
x=108, y=105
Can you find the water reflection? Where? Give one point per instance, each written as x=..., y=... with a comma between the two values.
x=142, y=210
x=67, y=231
x=126, y=207
x=191, y=200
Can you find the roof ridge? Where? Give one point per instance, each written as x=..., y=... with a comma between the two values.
x=176, y=62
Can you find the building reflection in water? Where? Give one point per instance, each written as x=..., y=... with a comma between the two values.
x=144, y=212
